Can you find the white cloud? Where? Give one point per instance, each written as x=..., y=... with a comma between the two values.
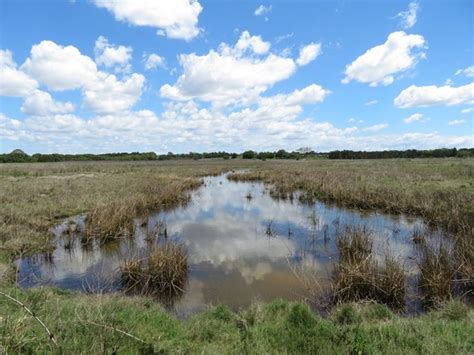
x=186, y=126
x=13, y=82
x=58, y=67
x=456, y=122
x=376, y=127
x=408, y=18
x=370, y=103
x=40, y=103
x=416, y=117
x=176, y=19
x=154, y=61
x=112, y=56
x=467, y=110
x=423, y=96
x=308, y=53
x=262, y=10
x=469, y=71
x=65, y=68
x=231, y=74
x=379, y=64
x=111, y=95
x=246, y=43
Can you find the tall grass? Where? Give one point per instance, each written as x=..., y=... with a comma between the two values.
x=437, y=266
x=359, y=276
x=164, y=272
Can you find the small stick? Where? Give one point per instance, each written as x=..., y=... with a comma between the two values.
x=50, y=335
x=115, y=329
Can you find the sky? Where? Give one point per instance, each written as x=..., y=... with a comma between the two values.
x=96, y=76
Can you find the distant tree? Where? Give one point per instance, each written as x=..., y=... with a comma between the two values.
x=281, y=154
x=249, y=154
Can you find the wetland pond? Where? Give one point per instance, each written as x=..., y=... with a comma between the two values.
x=243, y=245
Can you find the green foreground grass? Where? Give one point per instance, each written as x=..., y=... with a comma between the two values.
x=97, y=324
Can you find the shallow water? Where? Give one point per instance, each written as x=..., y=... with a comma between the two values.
x=243, y=245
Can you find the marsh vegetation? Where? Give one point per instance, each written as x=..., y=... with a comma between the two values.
x=398, y=233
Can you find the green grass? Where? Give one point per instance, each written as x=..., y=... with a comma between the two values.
x=93, y=324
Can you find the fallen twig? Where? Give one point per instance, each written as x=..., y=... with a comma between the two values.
x=21, y=304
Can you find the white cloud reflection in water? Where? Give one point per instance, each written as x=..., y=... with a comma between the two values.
x=232, y=258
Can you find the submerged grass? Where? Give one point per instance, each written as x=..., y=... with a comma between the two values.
x=110, y=324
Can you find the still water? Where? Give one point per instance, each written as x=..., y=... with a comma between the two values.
x=243, y=246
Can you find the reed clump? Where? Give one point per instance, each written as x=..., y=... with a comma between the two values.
x=110, y=222
x=164, y=272
x=359, y=276
x=464, y=256
x=438, y=269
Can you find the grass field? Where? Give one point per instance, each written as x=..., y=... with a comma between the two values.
x=110, y=324
x=34, y=197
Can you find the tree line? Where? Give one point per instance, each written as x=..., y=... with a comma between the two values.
x=18, y=156
x=410, y=153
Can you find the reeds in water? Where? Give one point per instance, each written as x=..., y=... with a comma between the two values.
x=359, y=276
x=163, y=272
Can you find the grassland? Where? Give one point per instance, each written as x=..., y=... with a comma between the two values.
x=34, y=197
x=92, y=324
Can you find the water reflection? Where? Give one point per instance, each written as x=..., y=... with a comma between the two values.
x=242, y=245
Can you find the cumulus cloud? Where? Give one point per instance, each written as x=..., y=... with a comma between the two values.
x=13, y=82
x=230, y=75
x=186, y=126
x=467, y=110
x=308, y=53
x=379, y=64
x=60, y=68
x=65, y=68
x=469, y=71
x=112, y=95
x=416, y=117
x=40, y=103
x=112, y=56
x=175, y=19
x=423, y=96
x=456, y=122
x=408, y=18
x=246, y=43
x=262, y=10
x=154, y=61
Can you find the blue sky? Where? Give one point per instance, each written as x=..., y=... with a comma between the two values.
x=109, y=75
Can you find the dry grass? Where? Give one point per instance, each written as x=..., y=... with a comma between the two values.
x=464, y=256
x=117, y=220
x=358, y=276
x=437, y=273
x=164, y=272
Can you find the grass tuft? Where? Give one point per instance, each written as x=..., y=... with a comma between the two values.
x=164, y=272
x=358, y=276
